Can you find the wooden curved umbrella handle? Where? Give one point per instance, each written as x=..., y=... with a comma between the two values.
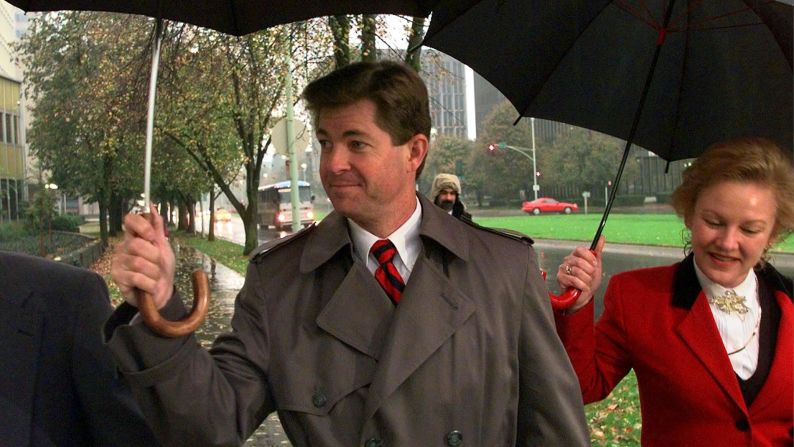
x=156, y=322
x=201, y=298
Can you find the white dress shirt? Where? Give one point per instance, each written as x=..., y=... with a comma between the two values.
x=405, y=239
x=735, y=330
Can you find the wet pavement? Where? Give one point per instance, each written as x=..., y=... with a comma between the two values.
x=224, y=285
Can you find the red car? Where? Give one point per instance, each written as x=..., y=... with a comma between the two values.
x=548, y=205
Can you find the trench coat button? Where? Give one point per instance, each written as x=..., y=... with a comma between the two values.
x=319, y=400
x=454, y=438
x=742, y=424
x=373, y=442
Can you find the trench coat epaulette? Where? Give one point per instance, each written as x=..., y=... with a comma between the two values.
x=504, y=232
x=271, y=246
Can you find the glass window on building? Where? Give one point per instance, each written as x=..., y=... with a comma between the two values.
x=8, y=132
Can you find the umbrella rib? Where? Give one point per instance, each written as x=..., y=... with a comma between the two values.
x=645, y=18
x=687, y=14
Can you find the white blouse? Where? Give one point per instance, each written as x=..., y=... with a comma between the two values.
x=739, y=333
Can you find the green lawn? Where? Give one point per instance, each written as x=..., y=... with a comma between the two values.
x=647, y=229
x=225, y=252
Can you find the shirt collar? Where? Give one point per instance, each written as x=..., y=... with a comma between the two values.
x=405, y=239
x=748, y=288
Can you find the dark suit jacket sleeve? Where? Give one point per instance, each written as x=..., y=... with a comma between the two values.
x=550, y=404
x=192, y=397
x=598, y=353
x=113, y=416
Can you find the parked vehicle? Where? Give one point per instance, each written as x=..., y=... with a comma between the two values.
x=275, y=205
x=548, y=205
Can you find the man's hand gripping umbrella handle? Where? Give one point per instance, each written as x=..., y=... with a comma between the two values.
x=151, y=316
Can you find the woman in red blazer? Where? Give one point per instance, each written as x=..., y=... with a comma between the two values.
x=711, y=338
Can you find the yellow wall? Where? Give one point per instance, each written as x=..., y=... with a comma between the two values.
x=11, y=152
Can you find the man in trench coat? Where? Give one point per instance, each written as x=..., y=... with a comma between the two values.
x=463, y=353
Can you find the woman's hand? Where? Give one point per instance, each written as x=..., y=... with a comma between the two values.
x=582, y=269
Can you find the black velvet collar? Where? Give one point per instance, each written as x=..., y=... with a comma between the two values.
x=686, y=287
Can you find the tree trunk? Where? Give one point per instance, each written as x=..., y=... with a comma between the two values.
x=250, y=218
x=211, y=232
x=103, y=220
x=368, y=32
x=340, y=28
x=251, y=236
x=164, y=212
x=191, y=212
x=183, y=218
x=115, y=212
x=414, y=58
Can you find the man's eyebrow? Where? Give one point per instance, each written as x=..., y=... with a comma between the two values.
x=347, y=133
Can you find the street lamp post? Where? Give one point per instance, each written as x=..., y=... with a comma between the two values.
x=534, y=166
x=522, y=151
x=50, y=187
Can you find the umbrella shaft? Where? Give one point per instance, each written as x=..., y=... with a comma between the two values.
x=633, y=131
x=147, y=169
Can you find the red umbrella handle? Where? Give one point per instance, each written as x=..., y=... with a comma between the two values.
x=155, y=321
x=566, y=299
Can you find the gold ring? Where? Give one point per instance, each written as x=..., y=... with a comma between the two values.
x=568, y=269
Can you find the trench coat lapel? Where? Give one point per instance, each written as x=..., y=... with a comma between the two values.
x=354, y=315
x=351, y=314
x=700, y=334
x=430, y=312
x=781, y=368
x=20, y=332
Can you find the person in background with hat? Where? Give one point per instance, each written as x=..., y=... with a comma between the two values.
x=711, y=338
x=445, y=192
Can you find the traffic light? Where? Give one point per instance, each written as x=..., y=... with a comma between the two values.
x=537, y=174
x=491, y=147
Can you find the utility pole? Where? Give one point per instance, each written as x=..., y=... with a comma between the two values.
x=522, y=151
x=534, y=166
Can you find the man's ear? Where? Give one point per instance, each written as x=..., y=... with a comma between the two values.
x=417, y=150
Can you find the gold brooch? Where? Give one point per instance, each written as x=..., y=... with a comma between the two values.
x=731, y=303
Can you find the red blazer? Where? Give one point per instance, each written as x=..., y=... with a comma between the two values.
x=658, y=322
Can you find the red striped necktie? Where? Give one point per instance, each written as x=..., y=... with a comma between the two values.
x=387, y=275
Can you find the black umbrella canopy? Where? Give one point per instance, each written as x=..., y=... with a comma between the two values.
x=724, y=69
x=235, y=17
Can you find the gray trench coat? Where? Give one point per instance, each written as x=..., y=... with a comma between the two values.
x=469, y=357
